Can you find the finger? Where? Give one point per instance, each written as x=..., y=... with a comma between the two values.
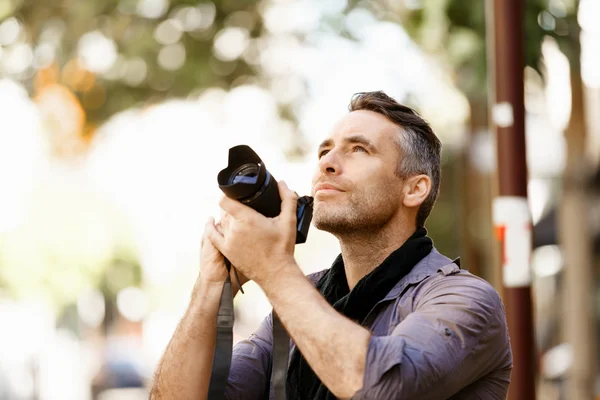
x=223, y=223
x=235, y=209
x=289, y=201
x=215, y=237
x=209, y=222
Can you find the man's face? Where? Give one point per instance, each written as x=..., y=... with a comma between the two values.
x=355, y=186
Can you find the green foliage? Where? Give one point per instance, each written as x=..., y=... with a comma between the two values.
x=71, y=241
x=134, y=36
x=121, y=272
x=455, y=32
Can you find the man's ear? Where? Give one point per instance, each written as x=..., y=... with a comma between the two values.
x=416, y=190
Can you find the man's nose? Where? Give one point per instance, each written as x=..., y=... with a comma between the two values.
x=329, y=163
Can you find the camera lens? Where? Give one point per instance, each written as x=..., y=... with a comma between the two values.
x=247, y=173
x=247, y=180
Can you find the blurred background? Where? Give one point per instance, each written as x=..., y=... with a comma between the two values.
x=116, y=115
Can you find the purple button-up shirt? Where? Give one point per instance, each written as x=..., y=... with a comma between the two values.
x=440, y=333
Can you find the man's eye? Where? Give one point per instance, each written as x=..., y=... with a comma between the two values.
x=323, y=152
x=359, y=148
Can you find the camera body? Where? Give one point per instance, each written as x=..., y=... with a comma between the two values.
x=247, y=180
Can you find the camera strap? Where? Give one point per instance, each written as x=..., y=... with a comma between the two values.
x=224, y=344
x=224, y=348
x=281, y=354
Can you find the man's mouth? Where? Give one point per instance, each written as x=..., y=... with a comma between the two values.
x=326, y=188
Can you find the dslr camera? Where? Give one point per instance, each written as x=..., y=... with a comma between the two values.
x=247, y=180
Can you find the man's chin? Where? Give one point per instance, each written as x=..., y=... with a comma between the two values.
x=331, y=225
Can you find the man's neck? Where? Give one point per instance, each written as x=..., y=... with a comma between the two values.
x=363, y=253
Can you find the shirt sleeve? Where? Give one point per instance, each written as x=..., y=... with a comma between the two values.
x=456, y=335
x=251, y=365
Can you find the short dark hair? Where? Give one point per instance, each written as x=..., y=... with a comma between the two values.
x=420, y=148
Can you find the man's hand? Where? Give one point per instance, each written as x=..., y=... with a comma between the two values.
x=212, y=262
x=258, y=246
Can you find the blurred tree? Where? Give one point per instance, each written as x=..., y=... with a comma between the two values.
x=122, y=272
x=115, y=54
x=49, y=257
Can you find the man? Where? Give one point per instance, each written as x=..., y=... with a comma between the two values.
x=391, y=319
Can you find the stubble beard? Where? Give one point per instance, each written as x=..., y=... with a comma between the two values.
x=353, y=216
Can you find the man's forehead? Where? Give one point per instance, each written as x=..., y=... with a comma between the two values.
x=370, y=124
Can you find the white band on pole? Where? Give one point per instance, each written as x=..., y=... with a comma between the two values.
x=512, y=223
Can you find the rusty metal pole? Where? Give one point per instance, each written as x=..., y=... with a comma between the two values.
x=512, y=220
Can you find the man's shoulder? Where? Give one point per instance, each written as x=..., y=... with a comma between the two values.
x=466, y=291
x=437, y=276
x=439, y=270
x=450, y=277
